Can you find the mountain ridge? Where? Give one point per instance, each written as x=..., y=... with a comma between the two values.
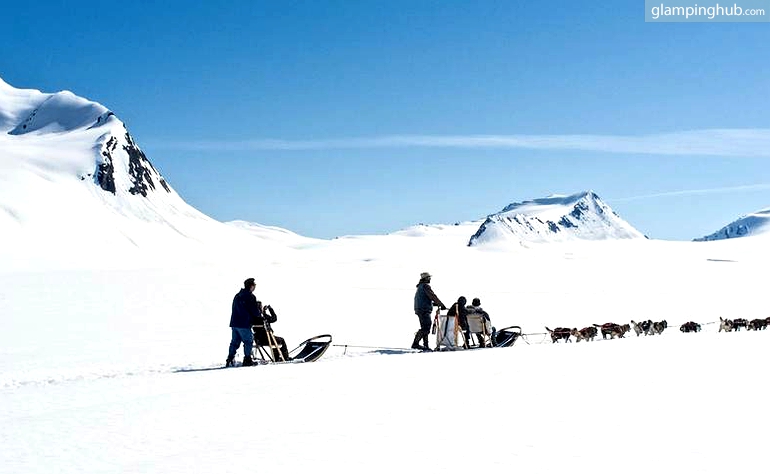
x=755, y=223
x=557, y=218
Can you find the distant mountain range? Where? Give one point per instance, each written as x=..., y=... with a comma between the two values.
x=73, y=177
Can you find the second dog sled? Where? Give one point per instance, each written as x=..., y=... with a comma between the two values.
x=449, y=335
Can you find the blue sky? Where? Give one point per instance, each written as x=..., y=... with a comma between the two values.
x=285, y=113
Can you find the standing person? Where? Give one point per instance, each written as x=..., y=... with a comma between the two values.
x=246, y=311
x=424, y=299
x=458, y=309
x=475, y=307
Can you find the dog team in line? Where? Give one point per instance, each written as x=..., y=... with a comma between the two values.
x=649, y=328
x=425, y=299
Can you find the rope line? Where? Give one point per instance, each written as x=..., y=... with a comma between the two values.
x=524, y=337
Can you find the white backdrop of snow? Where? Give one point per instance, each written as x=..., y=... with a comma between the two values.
x=102, y=310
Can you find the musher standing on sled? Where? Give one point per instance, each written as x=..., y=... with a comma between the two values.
x=245, y=312
x=424, y=299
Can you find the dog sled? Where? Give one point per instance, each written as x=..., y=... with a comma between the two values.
x=451, y=337
x=505, y=337
x=310, y=350
x=272, y=350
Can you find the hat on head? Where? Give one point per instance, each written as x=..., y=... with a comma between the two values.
x=424, y=275
x=476, y=302
x=249, y=282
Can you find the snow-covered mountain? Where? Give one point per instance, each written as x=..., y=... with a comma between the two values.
x=752, y=224
x=556, y=218
x=68, y=163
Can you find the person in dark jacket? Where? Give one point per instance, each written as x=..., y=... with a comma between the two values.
x=424, y=299
x=475, y=307
x=260, y=334
x=246, y=311
x=458, y=309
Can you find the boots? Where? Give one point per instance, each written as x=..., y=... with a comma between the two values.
x=247, y=361
x=416, y=342
x=425, y=342
x=230, y=361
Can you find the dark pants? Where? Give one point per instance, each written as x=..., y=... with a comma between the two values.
x=425, y=320
x=463, y=320
x=260, y=335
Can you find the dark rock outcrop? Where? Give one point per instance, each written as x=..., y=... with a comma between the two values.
x=139, y=168
x=105, y=172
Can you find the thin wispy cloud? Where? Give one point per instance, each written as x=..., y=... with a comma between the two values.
x=685, y=192
x=712, y=142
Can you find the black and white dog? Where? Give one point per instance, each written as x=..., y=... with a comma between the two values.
x=757, y=324
x=725, y=325
x=740, y=323
x=690, y=326
x=659, y=327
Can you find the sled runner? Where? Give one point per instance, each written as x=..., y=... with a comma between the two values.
x=505, y=337
x=309, y=350
x=312, y=349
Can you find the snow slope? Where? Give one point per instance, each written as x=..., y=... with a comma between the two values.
x=554, y=219
x=70, y=164
x=756, y=223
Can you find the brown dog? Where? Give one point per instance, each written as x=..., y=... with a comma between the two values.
x=585, y=334
x=560, y=333
x=614, y=330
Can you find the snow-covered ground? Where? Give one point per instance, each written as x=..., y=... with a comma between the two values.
x=111, y=300
x=92, y=363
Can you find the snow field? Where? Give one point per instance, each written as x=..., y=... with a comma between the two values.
x=108, y=301
x=679, y=402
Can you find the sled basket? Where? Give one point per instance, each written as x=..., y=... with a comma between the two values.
x=506, y=337
x=312, y=349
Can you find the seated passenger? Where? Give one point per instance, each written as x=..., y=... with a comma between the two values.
x=475, y=308
x=262, y=327
x=458, y=309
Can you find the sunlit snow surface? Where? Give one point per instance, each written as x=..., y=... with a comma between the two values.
x=110, y=304
x=93, y=364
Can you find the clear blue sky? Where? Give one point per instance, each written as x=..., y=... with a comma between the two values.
x=275, y=112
